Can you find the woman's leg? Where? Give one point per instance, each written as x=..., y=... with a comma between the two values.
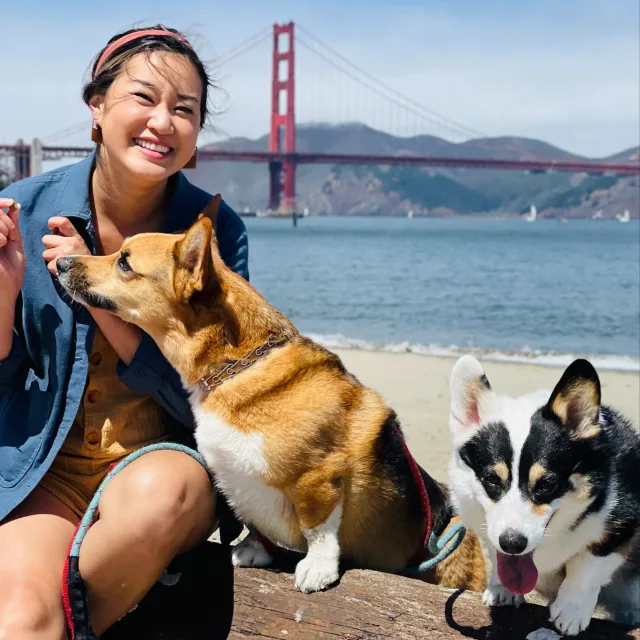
x=156, y=508
x=34, y=540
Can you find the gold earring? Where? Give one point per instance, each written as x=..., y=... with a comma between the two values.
x=96, y=133
x=193, y=160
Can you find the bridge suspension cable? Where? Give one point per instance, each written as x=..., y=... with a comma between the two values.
x=382, y=89
x=380, y=93
x=68, y=132
x=257, y=38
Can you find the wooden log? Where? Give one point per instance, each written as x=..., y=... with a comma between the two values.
x=216, y=602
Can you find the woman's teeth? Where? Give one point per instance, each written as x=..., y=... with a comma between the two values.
x=160, y=148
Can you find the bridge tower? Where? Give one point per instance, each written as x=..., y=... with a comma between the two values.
x=282, y=175
x=22, y=160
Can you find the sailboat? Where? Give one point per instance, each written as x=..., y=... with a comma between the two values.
x=625, y=217
x=532, y=215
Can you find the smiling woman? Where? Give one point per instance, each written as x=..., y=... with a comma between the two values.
x=158, y=89
x=81, y=389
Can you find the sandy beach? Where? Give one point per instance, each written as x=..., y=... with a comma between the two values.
x=417, y=387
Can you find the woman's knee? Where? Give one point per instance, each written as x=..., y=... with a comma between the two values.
x=26, y=611
x=165, y=495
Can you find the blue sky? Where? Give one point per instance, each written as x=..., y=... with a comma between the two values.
x=565, y=71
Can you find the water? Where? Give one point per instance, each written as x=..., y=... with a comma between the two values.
x=504, y=288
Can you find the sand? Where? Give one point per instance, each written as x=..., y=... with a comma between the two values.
x=417, y=387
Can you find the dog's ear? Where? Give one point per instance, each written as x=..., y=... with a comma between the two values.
x=576, y=399
x=193, y=259
x=471, y=396
x=211, y=212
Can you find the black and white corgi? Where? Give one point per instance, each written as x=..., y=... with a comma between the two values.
x=551, y=483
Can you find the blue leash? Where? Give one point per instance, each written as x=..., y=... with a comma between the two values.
x=89, y=515
x=440, y=548
x=74, y=590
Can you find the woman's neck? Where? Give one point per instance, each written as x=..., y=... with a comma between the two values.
x=126, y=205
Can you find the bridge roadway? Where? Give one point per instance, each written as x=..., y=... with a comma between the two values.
x=535, y=166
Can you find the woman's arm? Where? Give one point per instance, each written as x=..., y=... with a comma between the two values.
x=7, y=318
x=125, y=338
x=12, y=270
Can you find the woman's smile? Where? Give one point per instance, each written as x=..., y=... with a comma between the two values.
x=152, y=149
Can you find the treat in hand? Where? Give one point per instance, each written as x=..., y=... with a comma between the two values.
x=12, y=258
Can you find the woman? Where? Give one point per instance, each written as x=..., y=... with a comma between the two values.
x=80, y=389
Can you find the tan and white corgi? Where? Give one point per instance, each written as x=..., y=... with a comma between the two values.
x=303, y=452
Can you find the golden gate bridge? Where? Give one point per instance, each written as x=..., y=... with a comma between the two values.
x=22, y=160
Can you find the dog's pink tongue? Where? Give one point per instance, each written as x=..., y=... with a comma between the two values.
x=518, y=574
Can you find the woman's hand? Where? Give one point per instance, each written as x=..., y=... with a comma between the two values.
x=12, y=258
x=124, y=338
x=63, y=241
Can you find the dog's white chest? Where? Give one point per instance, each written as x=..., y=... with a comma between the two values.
x=241, y=473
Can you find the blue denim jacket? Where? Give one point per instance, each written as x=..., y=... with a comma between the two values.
x=43, y=378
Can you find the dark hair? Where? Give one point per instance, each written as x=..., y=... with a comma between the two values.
x=115, y=63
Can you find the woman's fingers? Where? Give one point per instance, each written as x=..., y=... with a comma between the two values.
x=13, y=209
x=4, y=227
x=52, y=241
x=50, y=254
x=7, y=221
x=63, y=226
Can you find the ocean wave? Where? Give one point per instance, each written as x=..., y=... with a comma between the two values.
x=522, y=356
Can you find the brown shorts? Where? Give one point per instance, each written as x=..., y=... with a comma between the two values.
x=85, y=459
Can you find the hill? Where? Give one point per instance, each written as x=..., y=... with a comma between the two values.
x=342, y=190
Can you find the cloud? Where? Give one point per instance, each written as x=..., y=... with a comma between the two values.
x=564, y=72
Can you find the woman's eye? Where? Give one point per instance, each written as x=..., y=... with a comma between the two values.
x=123, y=264
x=144, y=96
x=185, y=109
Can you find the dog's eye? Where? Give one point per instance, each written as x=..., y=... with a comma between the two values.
x=493, y=479
x=123, y=263
x=546, y=487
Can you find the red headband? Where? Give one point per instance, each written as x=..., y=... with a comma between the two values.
x=134, y=35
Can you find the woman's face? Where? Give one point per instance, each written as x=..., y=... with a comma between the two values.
x=150, y=116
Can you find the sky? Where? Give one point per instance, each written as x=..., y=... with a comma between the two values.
x=564, y=71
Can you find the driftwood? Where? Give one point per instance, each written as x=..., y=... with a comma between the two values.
x=213, y=601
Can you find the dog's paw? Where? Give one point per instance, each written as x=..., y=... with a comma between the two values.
x=250, y=553
x=571, y=612
x=315, y=574
x=496, y=595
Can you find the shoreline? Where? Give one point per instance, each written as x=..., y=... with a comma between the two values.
x=464, y=216
x=416, y=387
x=524, y=356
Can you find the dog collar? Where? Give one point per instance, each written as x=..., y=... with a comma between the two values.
x=232, y=369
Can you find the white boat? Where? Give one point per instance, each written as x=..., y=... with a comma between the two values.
x=597, y=215
x=532, y=215
x=624, y=217
x=410, y=214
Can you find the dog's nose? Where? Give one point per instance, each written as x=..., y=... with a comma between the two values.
x=512, y=541
x=64, y=264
